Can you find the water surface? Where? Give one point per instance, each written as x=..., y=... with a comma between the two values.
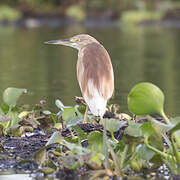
x=49, y=72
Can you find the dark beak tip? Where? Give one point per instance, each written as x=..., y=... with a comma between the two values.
x=56, y=41
x=48, y=42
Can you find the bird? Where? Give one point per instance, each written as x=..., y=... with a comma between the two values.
x=95, y=73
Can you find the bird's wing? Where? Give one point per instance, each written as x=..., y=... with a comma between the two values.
x=95, y=76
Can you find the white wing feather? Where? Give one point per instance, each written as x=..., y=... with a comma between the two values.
x=97, y=104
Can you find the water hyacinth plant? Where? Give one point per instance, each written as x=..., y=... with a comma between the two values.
x=117, y=148
x=9, y=116
x=148, y=99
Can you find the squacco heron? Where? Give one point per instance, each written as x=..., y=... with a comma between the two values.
x=94, y=72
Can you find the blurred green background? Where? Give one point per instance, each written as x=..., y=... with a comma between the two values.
x=147, y=52
x=126, y=10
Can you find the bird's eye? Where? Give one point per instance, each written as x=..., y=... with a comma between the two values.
x=74, y=40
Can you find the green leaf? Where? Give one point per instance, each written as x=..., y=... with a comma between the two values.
x=15, y=121
x=71, y=161
x=82, y=109
x=147, y=129
x=74, y=121
x=75, y=149
x=23, y=114
x=95, y=161
x=1, y=112
x=11, y=95
x=133, y=129
x=40, y=155
x=175, y=128
x=59, y=104
x=144, y=153
x=175, y=120
x=81, y=134
x=146, y=98
x=113, y=125
x=55, y=138
x=95, y=141
x=69, y=113
x=71, y=116
x=46, y=112
x=159, y=126
x=47, y=170
x=5, y=108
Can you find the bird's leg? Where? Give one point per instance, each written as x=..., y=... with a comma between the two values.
x=85, y=115
x=101, y=120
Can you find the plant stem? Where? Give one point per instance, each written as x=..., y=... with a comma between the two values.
x=168, y=122
x=164, y=155
x=123, y=156
x=165, y=117
x=113, y=138
x=116, y=160
x=8, y=125
x=105, y=148
x=175, y=150
x=72, y=135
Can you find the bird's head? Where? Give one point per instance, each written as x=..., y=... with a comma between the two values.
x=77, y=41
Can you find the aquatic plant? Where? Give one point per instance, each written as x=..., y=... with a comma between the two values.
x=117, y=147
x=9, y=113
x=148, y=99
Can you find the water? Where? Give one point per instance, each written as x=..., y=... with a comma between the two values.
x=49, y=72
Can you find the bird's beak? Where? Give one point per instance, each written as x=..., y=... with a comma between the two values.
x=65, y=42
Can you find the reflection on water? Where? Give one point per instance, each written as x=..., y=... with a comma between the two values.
x=49, y=72
x=16, y=176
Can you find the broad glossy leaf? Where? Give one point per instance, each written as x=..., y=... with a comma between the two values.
x=144, y=152
x=58, y=125
x=134, y=129
x=81, y=134
x=159, y=126
x=69, y=113
x=74, y=121
x=71, y=116
x=59, y=104
x=82, y=109
x=46, y=112
x=176, y=121
x=175, y=128
x=5, y=108
x=55, y=138
x=71, y=161
x=11, y=95
x=113, y=125
x=76, y=149
x=145, y=98
x=95, y=141
x=23, y=114
x=95, y=162
x=136, y=165
x=147, y=129
x=40, y=155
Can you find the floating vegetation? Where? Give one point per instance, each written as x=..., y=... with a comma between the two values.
x=135, y=16
x=51, y=143
x=9, y=14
